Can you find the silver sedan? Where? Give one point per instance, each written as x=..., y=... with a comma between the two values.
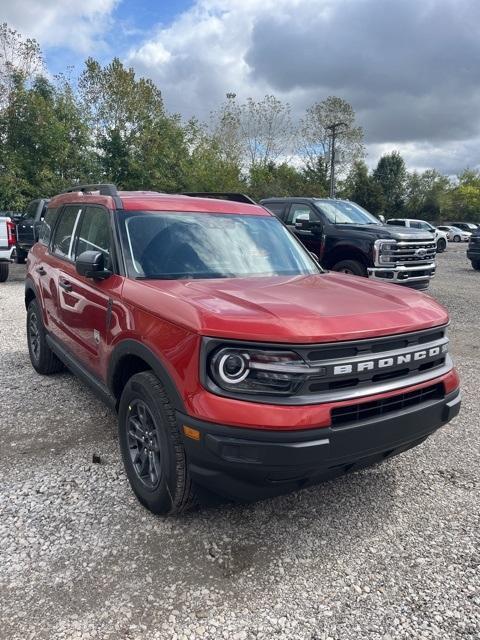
x=455, y=234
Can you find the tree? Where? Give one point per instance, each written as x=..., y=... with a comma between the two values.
x=20, y=60
x=253, y=133
x=363, y=189
x=424, y=193
x=462, y=201
x=138, y=145
x=391, y=174
x=315, y=137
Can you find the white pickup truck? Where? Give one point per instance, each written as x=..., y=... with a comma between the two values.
x=7, y=244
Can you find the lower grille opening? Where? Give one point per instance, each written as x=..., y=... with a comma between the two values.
x=364, y=410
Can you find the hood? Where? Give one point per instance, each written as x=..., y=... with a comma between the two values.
x=379, y=231
x=303, y=309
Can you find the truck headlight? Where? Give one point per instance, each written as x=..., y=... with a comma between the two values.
x=240, y=370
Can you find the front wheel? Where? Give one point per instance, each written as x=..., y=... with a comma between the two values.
x=352, y=267
x=152, y=450
x=4, y=269
x=457, y=239
x=441, y=245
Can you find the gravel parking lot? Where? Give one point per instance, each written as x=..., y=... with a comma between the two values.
x=391, y=552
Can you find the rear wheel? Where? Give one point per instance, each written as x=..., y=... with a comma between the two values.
x=457, y=239
x=476, y=265
x=151, y=446
x=353, y=267
x=441, y=245
x=4, y=269
x=43, y=359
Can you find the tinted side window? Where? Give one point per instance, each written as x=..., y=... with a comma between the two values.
x=277, y=208
x=300, y=212
x=31, y=209
x=397, y=223
x=47, y=226
x=65, y=232
x=94, y=233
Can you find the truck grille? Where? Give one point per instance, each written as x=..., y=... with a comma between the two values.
x=407, y=252
x=360, y=411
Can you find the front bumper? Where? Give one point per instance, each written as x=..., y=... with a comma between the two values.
x=414, y=277
x=249, y=464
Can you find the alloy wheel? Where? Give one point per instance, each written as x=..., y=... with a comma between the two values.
x=34, y=336
x=143, y=444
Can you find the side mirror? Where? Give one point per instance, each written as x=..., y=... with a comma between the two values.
x=381, y=218
x=91, y=264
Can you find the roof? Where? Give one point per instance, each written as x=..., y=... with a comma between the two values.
x=154, y=201
x=307, y=198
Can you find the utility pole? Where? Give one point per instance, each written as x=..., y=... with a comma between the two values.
x=333, y=128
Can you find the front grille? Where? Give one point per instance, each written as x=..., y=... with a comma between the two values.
x=406, y=252
x=361, y=411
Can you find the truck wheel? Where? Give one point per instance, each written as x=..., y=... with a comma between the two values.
x=441, y=245
x=4, y=268
x=476, y=265
x=353, y=267
x=151, y=446
x=43, y=359
x=457, y=239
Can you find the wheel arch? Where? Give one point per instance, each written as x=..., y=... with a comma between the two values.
x=346, y=252
x=130, y=357
x=30, y=292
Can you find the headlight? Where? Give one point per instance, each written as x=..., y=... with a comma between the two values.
x=255, y=371
x=382, y=252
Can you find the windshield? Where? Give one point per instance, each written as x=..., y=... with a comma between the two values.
x=342, y=212
x=205, y=245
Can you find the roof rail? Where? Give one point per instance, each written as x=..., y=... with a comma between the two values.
x=220, y=195
x=104, y=189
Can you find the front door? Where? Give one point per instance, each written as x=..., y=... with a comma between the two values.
x=86, y=304
x=296, y=216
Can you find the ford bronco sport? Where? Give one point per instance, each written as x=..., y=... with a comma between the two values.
x=236, y=364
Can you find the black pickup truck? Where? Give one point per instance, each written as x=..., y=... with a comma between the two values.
x=345, y=237
x=28, y=224
x=473, y=251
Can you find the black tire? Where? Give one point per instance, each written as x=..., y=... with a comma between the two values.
x=4, y=269
x=151, y=446
x=353, y=267
x=476, y=265
x=441, y=245
x=43, y=359
x=457, y=239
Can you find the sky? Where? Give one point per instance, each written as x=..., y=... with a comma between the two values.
x=410, y=68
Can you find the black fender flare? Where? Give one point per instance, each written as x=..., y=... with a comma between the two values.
x=30, y=286
x=133, y=347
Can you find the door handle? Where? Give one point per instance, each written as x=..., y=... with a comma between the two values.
x=66, y=285
x=41, y=271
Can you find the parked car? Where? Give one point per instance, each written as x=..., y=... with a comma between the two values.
x=28, y=224
x=7, y=244
x=473, y=250
x=466, y=226
x=345, y=237
x=440, y=236
x=455, y=234
x=235, y=362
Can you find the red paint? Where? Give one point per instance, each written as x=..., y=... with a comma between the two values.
x=170, y=317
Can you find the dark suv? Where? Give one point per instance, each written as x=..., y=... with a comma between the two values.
x=345, y=237
x=236, y=364
x=473, y=251
x=28, y=224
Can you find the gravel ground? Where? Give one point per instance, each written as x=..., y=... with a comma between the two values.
x=391, y=552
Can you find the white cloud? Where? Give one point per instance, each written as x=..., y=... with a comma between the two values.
x=79, y=25
x=411, y=72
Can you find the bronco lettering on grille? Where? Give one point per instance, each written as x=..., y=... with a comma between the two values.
x=386, y=363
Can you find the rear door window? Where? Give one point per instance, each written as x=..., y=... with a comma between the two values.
x=277, y=208
x=301, y=213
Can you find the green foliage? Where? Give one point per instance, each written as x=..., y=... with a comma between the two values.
x=391, y=175
x=364, y=189
x=462, y=201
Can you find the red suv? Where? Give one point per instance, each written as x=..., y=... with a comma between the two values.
x=235, y=363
